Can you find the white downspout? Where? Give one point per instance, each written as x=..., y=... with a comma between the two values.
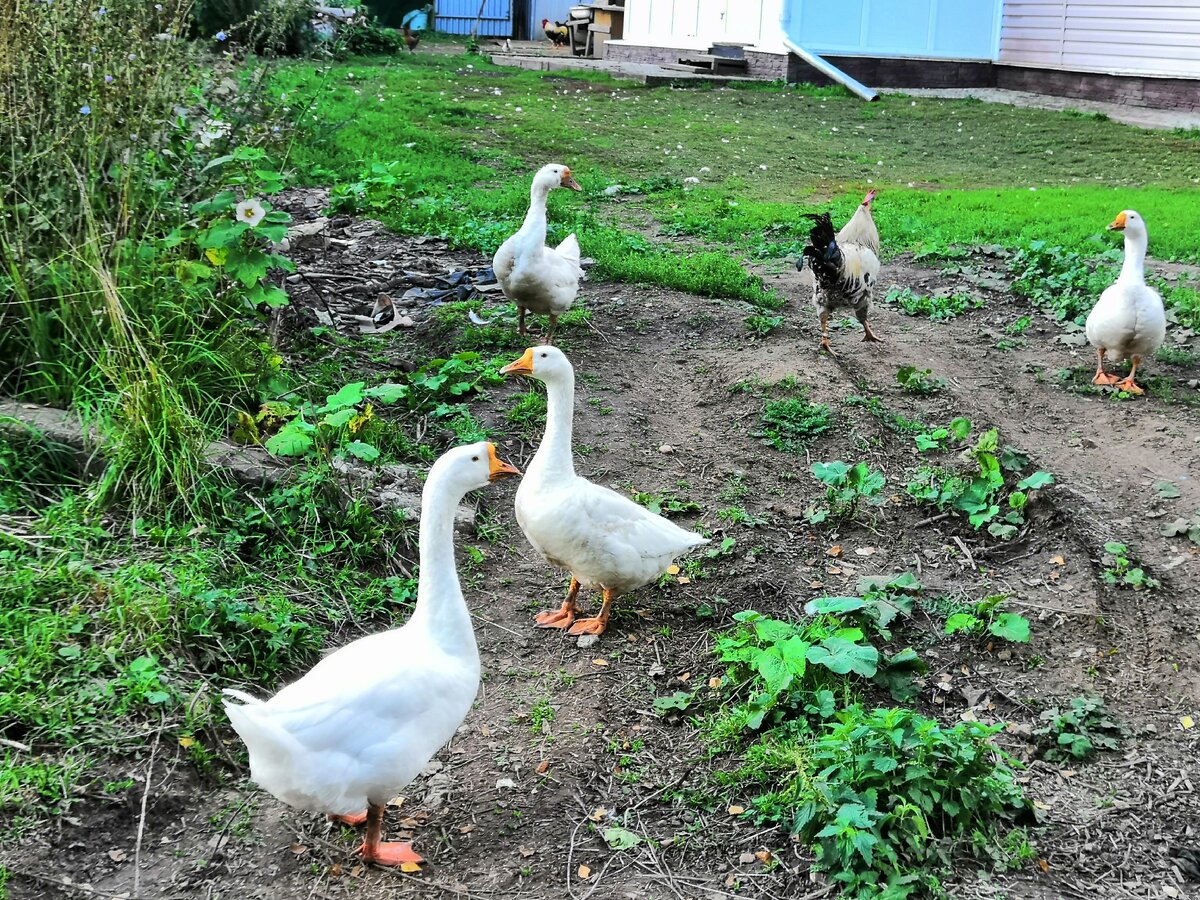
x=829, y=69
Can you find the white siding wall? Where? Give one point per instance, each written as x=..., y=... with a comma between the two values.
x=696, y=24
x=1150, y=37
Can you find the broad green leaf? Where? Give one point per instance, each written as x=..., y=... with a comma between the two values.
x=776, y=674
x=291, y=440
x=960, y=427
x=830, y=472
x=1010, y=627
x=678, y=700
x=834, y=605
x=842, y=656
x=221, y=202
x=247, y=266
x=350, y=395
x=771, y=631
x=1036, y=481
x=340, y=417
x=1166, y=490
x=961, y=622
x=362, y=451
x=619, y=838
x=387, y=393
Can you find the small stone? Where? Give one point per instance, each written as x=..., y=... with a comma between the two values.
x=505, y=784
x=666, y=448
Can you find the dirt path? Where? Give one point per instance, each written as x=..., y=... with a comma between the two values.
x=658, y=373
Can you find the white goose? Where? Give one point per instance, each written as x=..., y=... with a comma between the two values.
x=603, y=539
x=366, y=719
x=1128, y=321
x=536, y=278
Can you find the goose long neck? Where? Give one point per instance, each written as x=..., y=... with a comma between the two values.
x=534, y=226
x=1134, y=267
x=554, y=456
x=441, y=609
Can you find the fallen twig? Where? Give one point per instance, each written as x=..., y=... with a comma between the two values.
x=141, y=829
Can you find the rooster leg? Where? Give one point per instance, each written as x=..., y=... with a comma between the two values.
x=598, y=624
x=869, y=337
x=1127, y=384
x=521, y=320
x=553, y=325
x=825, y=333
x=560, y=618
x=1103, y=377
x=374, y=850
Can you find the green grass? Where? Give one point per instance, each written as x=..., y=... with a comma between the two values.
x=968, y=186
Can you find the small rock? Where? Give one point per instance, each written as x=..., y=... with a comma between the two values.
x=666, y=448
x=505, y=784
x=587, y=640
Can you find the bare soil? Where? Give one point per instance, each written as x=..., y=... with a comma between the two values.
x=656, y=370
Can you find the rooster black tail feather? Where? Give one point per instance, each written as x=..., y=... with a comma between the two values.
x=822, y=250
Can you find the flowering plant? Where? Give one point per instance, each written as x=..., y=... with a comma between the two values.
x=236, y=236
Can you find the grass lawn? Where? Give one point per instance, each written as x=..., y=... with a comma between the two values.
x=445, y=144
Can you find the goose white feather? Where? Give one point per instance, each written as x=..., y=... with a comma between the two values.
x=1128, y=321
x=537, y=278
x=602, y=538
x=364, y=721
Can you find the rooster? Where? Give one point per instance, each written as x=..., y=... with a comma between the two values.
x=845, y=267
x=556, y=31
x=411, y=40
x=861, y=227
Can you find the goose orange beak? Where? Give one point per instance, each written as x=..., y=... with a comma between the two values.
x=522, y=366
x=569, y=182
x=1118, y=224
x=498, y=468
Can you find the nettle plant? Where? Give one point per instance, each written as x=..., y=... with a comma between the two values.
x=237, y=231
x=847, y=487
x=983, y=495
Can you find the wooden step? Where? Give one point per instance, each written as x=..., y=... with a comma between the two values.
x=713, y=63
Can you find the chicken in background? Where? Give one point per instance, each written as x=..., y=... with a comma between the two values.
x=556, y=31
x=411, y=40
x=845, y=267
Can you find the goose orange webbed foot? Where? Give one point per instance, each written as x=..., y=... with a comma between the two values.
x=556, y=618
x=1104, y=379
x=1128, y=386
x=352, y=819
x=825, y=346
x=589, y=626
x=398, y=853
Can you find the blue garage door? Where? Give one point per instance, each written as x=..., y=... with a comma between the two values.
x=948, y=29
x=458, y=17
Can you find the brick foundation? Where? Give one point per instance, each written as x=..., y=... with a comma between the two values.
x=1134, y=90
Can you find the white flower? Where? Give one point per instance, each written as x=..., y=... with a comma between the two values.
x=251, y=212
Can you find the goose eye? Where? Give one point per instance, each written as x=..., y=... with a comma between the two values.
x=544, y=355
x=474, y=459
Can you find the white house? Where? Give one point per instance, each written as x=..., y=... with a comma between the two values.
x=1141, y=51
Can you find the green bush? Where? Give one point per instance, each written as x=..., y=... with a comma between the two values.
x=264, y=26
